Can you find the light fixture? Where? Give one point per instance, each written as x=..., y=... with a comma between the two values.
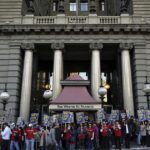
x=47, y=94
x=4, y=96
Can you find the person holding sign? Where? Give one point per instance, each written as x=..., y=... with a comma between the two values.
x=81, y=133
x=15, y=138
x=44, y=138
x=90, y=136
x=29, y=137
x=105, y=139
x=118, y=134
x=66, y=136
x=148, y=134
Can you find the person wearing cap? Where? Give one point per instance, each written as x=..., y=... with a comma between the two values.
x=6, y=133
x=14, y=144
x=29, y=137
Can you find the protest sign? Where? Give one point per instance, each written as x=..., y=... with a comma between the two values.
x=34, y=118
x=100, y=115
x=45, y=120
x=148, y=115
x=67, y=117
x=114, y=115
x=20, y=122
x=80, y=117
x=141, y=114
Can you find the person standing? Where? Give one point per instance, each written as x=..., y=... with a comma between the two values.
x=58, y=136
x=14, y=144
x=143, y=133
x=104, y=132
x=118, y=134
x=96, y=136
x=29, y=137
x=148, y=134
x=90, y=137
x=126, y=132
x=44, y=138
x=6, y=133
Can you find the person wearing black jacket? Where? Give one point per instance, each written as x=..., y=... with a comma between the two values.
x=58, y=136
x=127, y=133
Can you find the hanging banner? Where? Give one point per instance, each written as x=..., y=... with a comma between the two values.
x=67, y=117
x=34, y=118
x=141, y=115
x=80, y=117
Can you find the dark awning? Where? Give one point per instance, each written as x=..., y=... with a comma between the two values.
x=74, y=94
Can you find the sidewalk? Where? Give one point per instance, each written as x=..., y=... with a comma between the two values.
x=134, y=146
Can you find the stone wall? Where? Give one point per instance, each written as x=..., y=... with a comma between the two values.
x=9, y=9
x=10, y=73
x=142, y=8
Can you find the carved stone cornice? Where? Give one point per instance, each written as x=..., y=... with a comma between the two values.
x=126, y=46
x=56, y=29
x=27, y=46
x=58, y=46
x=96, y=46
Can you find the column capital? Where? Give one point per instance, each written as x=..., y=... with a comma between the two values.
x=27, y=46
x=96, y=46
x=58, y=46
x=126, y=46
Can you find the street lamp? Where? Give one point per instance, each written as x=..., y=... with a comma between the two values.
x=4, y=96
x=47, y=95
x=102, y=91
x=147, y=91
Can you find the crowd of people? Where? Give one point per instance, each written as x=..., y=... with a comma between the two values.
x=86, y=136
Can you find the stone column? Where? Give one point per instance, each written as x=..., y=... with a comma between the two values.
x=126, y=77
x=95, y=69
x=57, y=68
x=26, y=81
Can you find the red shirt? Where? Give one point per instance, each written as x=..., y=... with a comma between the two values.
x=30, y=133
x=90, y=132
x=117, y=132
x=104, y=131
x=15, y=134
x=67, y=134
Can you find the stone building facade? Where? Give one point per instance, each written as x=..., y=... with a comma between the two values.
x=60, y=37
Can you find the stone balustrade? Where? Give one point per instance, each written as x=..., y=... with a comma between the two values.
x=93, y=19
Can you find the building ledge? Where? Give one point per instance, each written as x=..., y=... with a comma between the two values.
x=30, y=19
x=69, y=29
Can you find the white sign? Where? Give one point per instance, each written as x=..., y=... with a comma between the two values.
x=75, y=107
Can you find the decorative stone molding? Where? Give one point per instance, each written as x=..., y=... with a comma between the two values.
x=126, y=46
x=58, y=46
x=92, y=7
x=96, y=46
x=27, y=46
x=61, y=6
x=22, y=29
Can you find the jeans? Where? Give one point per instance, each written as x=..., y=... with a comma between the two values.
x=5, y=145
x=14, y=145
x=44, y=148
x=30, y=144
x=90, y=144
